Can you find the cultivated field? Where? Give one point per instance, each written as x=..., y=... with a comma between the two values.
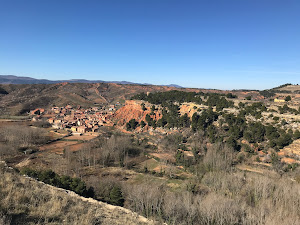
x=59, y=146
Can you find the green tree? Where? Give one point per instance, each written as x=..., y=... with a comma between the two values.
x=143, y=107
x=184, y=121
x=153, y=108
x=48, y=176
x=116, y=196
x=142, y=123
x=255, y=132
x=288, y=98
x=148, y=119
x=132, y=124
x=284, y=140
x=78, y=186
x=241, y=105
x=179, y=156
x=230, y=95
x=161, y=122
x=297, y=134
x=272, y=133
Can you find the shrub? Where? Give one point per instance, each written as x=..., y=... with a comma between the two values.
x=66, y=182
x=288, y=98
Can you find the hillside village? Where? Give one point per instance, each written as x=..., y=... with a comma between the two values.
x=77, y=120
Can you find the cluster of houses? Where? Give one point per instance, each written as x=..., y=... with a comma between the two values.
x=77, y=120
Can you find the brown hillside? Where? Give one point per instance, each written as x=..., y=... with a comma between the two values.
x=133, y=110
x=291, y=88
x=19, y=99
x=16, y=99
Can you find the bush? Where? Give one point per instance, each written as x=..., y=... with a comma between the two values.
x=284, y=140
x=230, y=95
x=132, y=124
x=143, y=107
x=297, y=134
x=288, y=98
x=142, y=124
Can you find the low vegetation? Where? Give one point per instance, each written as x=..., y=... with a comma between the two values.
x=65, y=182
x=14, y=139
x=25, y=201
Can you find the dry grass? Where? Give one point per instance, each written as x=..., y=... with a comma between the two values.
x=59, y=146
x=291, y=88
x=82, y=138
x=27, y=201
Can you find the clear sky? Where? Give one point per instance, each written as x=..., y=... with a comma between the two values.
x=224, y=44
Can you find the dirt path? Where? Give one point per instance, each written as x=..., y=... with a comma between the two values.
x=256, y=170
x=98, y=93
x=250, y=169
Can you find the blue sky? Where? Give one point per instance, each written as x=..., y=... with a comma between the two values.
x=223, y=44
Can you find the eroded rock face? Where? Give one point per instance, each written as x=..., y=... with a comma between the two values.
x=188, y=108
x=133, y=110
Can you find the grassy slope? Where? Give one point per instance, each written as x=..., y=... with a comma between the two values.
x=27, y=201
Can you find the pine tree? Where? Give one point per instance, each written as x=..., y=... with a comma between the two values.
x=116, y=196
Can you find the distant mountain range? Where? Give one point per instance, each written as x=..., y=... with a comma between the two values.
x=11, y=79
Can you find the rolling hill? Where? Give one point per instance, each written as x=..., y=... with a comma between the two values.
x=19, y=95
x=17, y=99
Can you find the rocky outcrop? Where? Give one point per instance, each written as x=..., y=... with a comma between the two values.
x=133, y=110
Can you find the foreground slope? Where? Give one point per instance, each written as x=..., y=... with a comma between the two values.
x=26, y=201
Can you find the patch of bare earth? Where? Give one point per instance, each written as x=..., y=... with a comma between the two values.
x=59, y=146
x=292, y=149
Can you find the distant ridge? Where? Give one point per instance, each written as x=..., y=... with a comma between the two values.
x=174, y=85
x=12, y=79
